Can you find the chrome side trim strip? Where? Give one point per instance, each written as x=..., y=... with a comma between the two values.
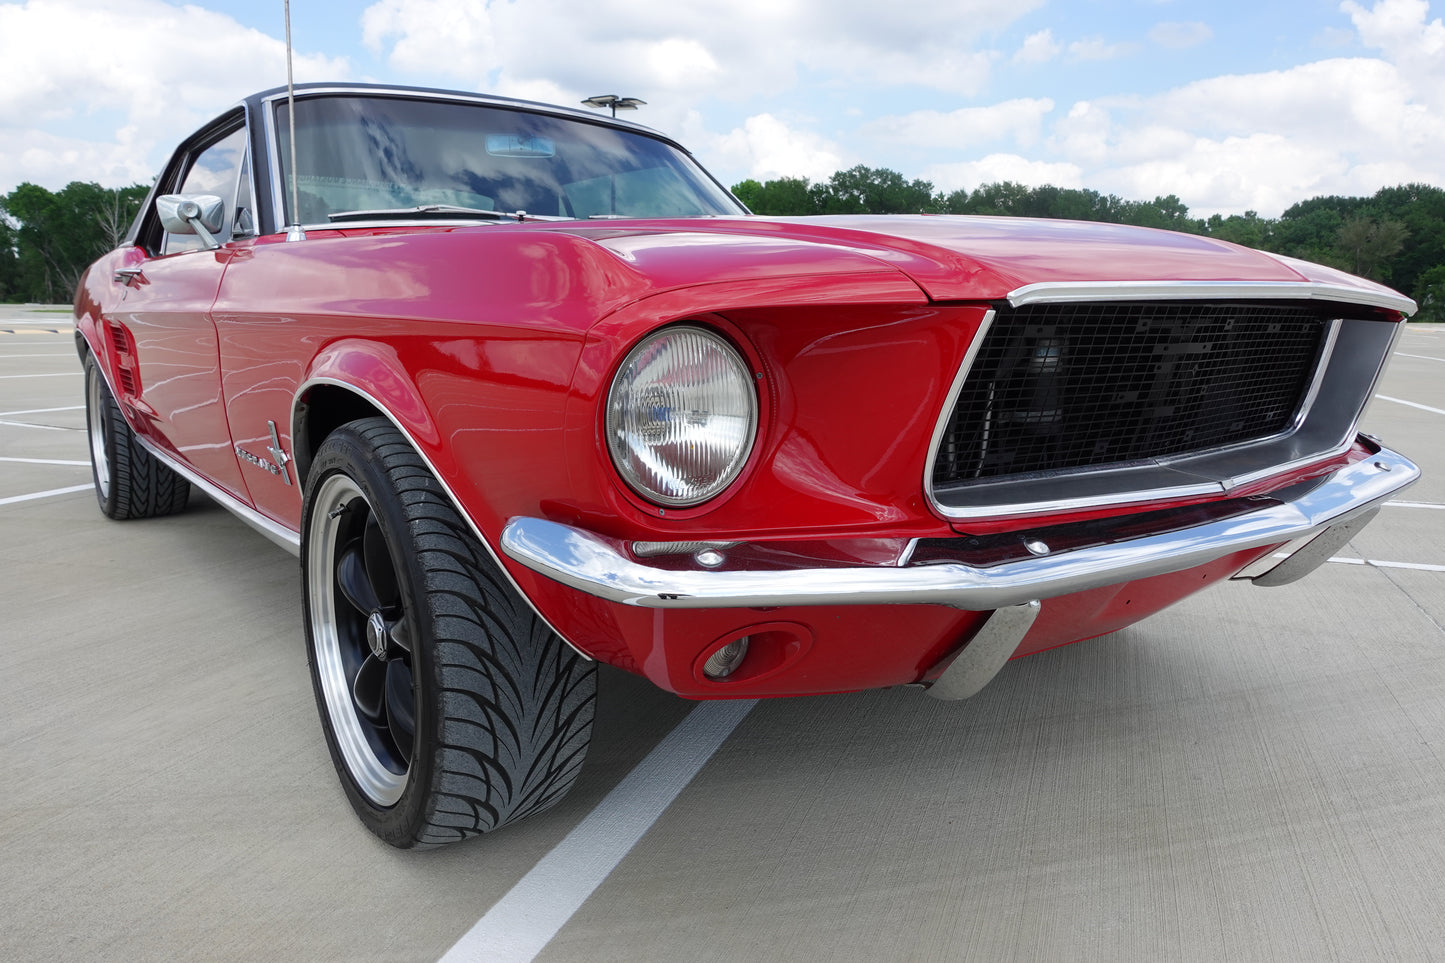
x=1053, y=292
x=275, y=531
x=593, y=565
x=456, y=502
x=996, y=640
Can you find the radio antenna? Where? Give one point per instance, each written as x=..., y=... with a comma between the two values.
x=293, y=225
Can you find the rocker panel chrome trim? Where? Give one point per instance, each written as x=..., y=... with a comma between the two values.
x=272, y=529
x=587, y=562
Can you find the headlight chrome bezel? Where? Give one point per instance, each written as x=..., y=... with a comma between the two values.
x=644, y=467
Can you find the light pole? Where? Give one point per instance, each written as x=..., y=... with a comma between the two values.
x=615, y=102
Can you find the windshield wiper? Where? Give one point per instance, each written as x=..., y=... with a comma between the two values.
x=424, y=210
x=438, y=210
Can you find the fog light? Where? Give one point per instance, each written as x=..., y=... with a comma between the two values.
x=721, y=663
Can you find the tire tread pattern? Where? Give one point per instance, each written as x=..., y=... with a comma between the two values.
x=140, y=485
x=514, y=703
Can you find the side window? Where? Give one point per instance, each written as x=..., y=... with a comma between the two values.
x=215, y=170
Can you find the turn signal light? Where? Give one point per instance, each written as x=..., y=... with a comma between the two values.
x=722, y=662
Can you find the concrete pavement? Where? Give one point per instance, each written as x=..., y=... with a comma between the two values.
x=1252, y=775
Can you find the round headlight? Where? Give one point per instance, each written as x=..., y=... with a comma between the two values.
x=681, y=416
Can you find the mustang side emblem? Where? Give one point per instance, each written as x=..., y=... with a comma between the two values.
x=278, y=467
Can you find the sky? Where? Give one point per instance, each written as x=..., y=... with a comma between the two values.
x=1232, y=106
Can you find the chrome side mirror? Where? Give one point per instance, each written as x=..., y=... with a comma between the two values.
x=202, y=214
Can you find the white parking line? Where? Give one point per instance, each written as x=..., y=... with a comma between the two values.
x=53, y=374
x=58, y=354
x=39, y=411
x=1412, y=404
x=26, y=424
x=1422, y=357
x=1376, y=563
x=53, y=492
x=44, y=461
x=523, y=921
x=1416, y=505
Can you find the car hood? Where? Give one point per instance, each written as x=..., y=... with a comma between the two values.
x=952, y=258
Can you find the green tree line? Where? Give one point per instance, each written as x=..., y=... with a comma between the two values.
x=1396, y=237
x=48, y=238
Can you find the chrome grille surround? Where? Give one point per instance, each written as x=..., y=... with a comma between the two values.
x=1154, y=422
x=1057, y=387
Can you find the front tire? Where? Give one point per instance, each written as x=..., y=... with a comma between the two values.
x=130, y=482
x=449, y=707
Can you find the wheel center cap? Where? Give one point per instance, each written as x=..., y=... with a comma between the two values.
x=376, y=635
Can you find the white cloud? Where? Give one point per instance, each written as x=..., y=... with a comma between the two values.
x=1261, y=141
x=1038, y=48
x=1084, y=134
x=1400, y=30
x=1097, y=48
x=765, y=147
x=125, y=88
x=1177, y=36
x=1261, y=172
x=1018, y=120
x=714, y=48
x=1003, y=167
x=425, y=33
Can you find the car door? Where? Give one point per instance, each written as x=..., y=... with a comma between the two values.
x=169, y=285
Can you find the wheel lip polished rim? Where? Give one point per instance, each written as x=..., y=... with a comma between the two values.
x=99, y=457
x=373, y=778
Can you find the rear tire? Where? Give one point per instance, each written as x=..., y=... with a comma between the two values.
x=130, y=482
x=449, y=707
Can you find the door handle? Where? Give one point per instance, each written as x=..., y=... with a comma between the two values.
x=127, y=275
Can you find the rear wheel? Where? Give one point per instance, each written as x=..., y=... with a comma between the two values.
x=130, y=482
x=449, y=707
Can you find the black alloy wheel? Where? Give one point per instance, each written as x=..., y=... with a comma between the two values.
x=449, y=707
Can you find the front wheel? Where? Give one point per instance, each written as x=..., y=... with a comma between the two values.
x=448, y=705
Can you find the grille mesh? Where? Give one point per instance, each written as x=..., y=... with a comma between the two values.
x=1067, y=386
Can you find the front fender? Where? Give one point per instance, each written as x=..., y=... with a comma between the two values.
x=369, y=371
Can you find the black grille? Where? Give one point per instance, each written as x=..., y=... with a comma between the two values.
x=1067, y=386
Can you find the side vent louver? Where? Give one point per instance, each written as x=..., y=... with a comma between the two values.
x=125, y=358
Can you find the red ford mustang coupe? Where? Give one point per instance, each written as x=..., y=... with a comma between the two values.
x=527, y=390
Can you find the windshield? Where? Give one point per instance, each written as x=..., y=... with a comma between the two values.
x=367, y=153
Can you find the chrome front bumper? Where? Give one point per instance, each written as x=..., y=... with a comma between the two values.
x=593, y=565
